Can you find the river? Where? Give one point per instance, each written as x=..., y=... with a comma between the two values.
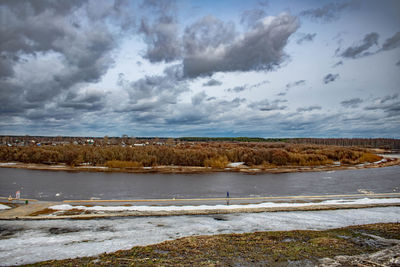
x=62, y=185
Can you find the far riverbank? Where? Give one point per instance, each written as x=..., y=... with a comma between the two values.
x=388, y=161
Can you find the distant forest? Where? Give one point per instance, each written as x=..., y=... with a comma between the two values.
x=384, y=143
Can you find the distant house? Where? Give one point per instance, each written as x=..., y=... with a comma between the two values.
x=139, y=144
x=90, y=141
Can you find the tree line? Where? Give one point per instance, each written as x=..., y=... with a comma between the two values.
x=197, y=154
x=384, y=143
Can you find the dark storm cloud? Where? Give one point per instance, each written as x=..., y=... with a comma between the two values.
x=310, y=108
x=351, y=103
x=265, y=105
x=398, y=63
x=294, y=84
x=330, y=78
x=306, y=38
x=161, y=35
x=212, y=82
x=61, y=52
x=211, y=45
x=369, y=40
x=326, y=13
x=392, y=42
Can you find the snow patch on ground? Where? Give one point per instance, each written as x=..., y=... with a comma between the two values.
x=7, y=163
x=64, y=207
x=235, y=164
x=33, y=241
x=390, y=156
x=4, y=207
x=91, y=167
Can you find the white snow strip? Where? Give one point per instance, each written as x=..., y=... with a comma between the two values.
x=7, y=163
x=227, y=207
x=92, y=167
x=235, y=164
x=4, y=207
x=390, y=156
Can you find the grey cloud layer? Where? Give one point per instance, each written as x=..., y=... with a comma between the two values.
x=306, y=38
x=369, y=40
x=78, y=52
x=392, y=42
x=161, y=35
x=351, y=103
x=203, y=111
x=54, y=53
x=310, y=108
x=328, y=12
x=265, y=105
x=388, y=104
x=237, y=89
x=212, y=46
x=212, y=82
x=330, y=78
x=251, y=16
x=296, y=83
x=152, y=95
x=337, y=64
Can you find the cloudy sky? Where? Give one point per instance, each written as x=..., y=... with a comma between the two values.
x=200, y=68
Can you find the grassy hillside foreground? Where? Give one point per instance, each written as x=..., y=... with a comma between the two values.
x=296, y=248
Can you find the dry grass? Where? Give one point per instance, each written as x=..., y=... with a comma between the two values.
x=216, y=162
x=42, y=212
x=369, y=157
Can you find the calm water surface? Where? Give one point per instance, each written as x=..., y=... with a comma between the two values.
x=61, y=185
